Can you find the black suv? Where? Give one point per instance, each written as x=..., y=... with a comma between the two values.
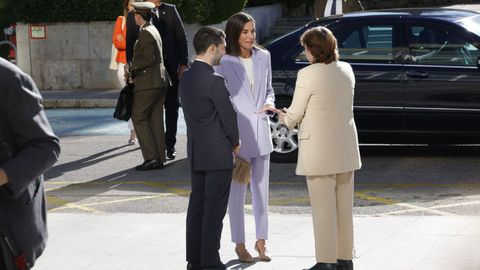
x=417, y=76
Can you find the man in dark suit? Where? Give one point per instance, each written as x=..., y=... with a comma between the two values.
x=131, y=36
x=324, y=8
x=213, y=141
x=28, y=148
x=151, y=83
x=166, y=19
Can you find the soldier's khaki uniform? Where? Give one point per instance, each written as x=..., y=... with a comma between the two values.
x=151, y=84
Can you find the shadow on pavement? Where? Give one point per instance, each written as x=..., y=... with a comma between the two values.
x=236, y=264
x=61, y=169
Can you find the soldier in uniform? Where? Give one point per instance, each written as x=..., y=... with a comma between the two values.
x=151, y=83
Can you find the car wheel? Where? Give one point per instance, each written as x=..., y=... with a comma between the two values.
x=285, y=141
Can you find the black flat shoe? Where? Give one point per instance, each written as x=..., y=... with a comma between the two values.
x=344, y=265
x=323, y=266
x=218, y=267
x=193, y=266
x=151, y=164
x=171, y=153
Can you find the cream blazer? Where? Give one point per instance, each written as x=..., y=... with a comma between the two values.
x=323, y=107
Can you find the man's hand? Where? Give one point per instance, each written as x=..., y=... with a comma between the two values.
x=236, y=150
x=181, y=69
x=3, y=177
x=126, y=74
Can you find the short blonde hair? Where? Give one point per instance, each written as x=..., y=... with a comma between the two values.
x=321, y=42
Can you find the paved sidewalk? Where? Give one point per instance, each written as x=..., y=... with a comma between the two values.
x=80, y=98
x=157, y=241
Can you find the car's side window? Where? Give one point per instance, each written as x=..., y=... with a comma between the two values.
x=372, y=43
x=436, y=45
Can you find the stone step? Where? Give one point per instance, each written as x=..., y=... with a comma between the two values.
x=296, y=18
x=288, y=24
x=287, y=28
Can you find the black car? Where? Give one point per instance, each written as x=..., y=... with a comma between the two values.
x=417, y=76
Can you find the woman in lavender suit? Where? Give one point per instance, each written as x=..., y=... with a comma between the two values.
x=247, y=71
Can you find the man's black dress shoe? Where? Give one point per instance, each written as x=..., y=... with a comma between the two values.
x=218, y=267
x=171, y=153
x=344, y=265
x=323, y=266
x=193, y=266
x=151, y=164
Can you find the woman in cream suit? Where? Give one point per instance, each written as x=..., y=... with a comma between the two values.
x=247, y=71
x=322, y=106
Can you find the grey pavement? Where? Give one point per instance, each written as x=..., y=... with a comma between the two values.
x=157, y=241
x=94, y=174
x=80, y=98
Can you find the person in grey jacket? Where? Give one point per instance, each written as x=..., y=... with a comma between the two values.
x=28, y=148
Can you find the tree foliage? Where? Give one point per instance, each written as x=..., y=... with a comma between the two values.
x=36, y=11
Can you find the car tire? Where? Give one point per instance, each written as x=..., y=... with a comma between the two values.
x=285, y=142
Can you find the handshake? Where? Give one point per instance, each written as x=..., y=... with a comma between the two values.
x=271, y=111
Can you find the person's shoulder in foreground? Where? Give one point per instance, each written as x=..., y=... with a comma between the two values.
x=12, y=77
x=9, y=69
x=31, y=144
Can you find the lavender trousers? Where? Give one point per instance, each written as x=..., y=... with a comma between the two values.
x=260, y=171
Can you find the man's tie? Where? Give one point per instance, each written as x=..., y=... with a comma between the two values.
x=334, y=7
x=154, y=19
x=155, y=12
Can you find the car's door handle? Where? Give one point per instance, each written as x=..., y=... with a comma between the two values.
x=417, y=74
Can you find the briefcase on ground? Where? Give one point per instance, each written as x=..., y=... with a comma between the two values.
x=241, y=172
x=123, y=110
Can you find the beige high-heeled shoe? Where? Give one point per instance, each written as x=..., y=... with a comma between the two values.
x=262, y=253
x=244, y=258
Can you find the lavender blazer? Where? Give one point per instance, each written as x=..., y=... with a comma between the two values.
x=254, y=127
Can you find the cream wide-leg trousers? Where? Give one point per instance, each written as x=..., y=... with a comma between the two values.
x=331, y=198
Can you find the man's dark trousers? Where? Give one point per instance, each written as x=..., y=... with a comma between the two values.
x=171, y=113
x=206, y=210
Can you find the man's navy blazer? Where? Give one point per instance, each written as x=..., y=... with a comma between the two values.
x=212, y=129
